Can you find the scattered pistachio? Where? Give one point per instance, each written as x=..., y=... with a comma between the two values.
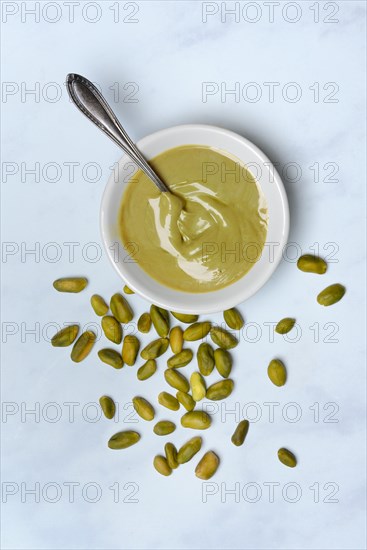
x=70, y=284
x=312, y=264
x=205, y=358
x=83, y=346
x=99, y=305
x=207, y=466
x=176, y=339
x=130, y=349
x=331, y=295
x=121, y=309
x=223, y=362
x=108, y=406
x=176, y=380
x=277, y=372
x=287, y=458
x=223, y=338
x=122, y=440
x=147, y=370
x=196, y=420
x=220, y=390
x=189, y=449
x=171, y=455
x=161, y=465
x=144, y=323
x=198, y=387
x=186, y=400
x=240, y=433
x=180, y=359
x=197, y=331
x=185, y=317
x=168, y=401
x=112, y=329
x=111, y=357
x=285, y=325
x=65, y=337
x=164, y=427
x=155, y=349
x=160, y=321
x=144, y=409
x=128, y=290
x=233, y=318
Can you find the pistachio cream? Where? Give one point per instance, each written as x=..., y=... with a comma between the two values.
x=208, y=232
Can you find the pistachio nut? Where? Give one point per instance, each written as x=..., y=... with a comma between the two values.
x=207, y=466
x=147, y=370
x=220, y=390
x=176, y=380
x=312, y=264
x=285, y=325
x=223, y=338
x=331, y=295
x=180, y=359
x=171, y=455
x=122, y=440
x=112, y=329
x=121, y=309
x=161, y=465
x=233, y=318
x=196, y=420
x=130, y=349
x=164, y=427
x=108, y=406
x=128, y=290
x=197, y=331
x=155, y=349
x=83, y=346
x=144, y=322
x=186, y=400
x=189, y=449
x=168, y=401
x=144, y=409
x=185, y=317
x=111, y=357
x=277, y=372
x=70, y=284
x=99, y=305
x=240, y=433
x=176, y=339
x=198, y=386
x=65, y=337
x=287, y=458
x=205, y=358
x=223, y=362
x=159, y=321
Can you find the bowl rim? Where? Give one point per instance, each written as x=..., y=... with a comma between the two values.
x=148, y=293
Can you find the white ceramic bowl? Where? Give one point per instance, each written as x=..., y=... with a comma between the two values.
x=278, y=226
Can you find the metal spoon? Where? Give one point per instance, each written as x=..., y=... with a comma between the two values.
x=93, y=105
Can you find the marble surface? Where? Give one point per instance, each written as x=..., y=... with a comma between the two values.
x=172, y=63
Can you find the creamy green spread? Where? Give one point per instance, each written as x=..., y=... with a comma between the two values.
x=204, y=235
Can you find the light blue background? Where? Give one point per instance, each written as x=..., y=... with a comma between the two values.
x=168, y=53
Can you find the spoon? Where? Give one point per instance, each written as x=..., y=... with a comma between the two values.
x=93, y=105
